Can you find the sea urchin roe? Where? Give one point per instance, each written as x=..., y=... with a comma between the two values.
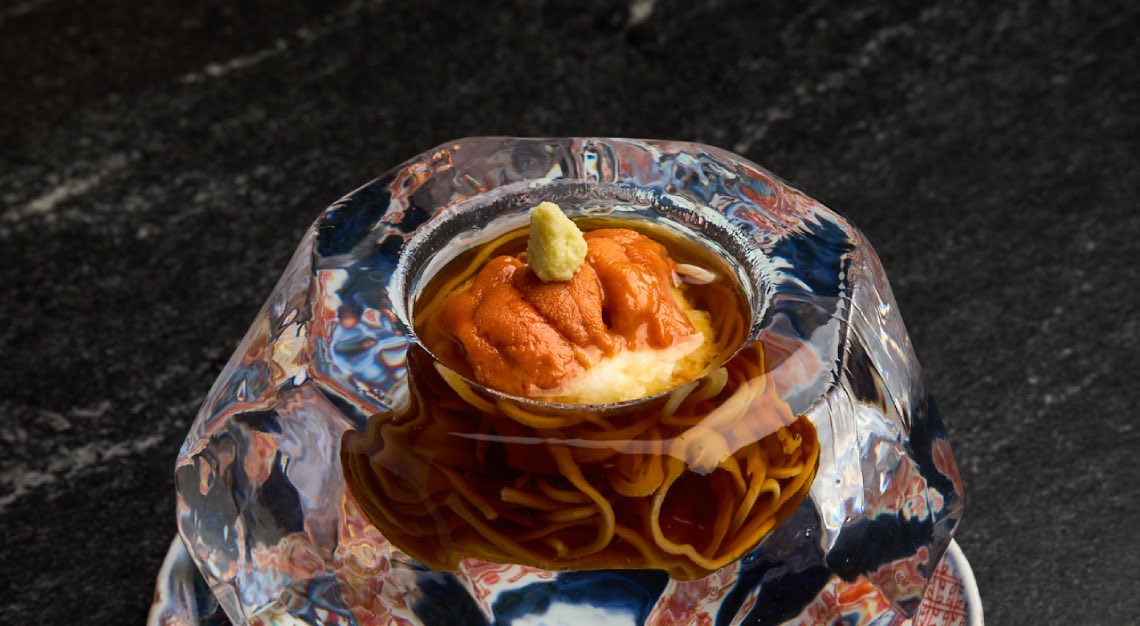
x=637, y=280
x=525, y=336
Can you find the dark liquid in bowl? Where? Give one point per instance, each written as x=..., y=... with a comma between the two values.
x=687, y=482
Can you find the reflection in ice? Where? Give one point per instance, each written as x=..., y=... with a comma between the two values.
x=262, y=504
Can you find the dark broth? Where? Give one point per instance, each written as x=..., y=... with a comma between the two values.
x=686, y=482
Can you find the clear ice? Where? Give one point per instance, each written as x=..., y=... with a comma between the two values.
x=262, y=505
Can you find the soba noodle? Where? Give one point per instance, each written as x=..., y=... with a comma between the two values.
x=685, y=483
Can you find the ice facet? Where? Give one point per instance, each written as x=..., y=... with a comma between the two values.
x=262, y=504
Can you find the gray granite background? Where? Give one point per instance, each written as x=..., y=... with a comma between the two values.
x=159, y=161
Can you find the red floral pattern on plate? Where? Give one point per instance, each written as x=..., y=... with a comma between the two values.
x=859, y=603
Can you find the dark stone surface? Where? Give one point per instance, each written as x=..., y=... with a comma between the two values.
x=159, y=161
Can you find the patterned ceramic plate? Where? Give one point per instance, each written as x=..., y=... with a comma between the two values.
x=182, y=598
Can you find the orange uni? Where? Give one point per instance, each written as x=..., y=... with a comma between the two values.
x=524, y=336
